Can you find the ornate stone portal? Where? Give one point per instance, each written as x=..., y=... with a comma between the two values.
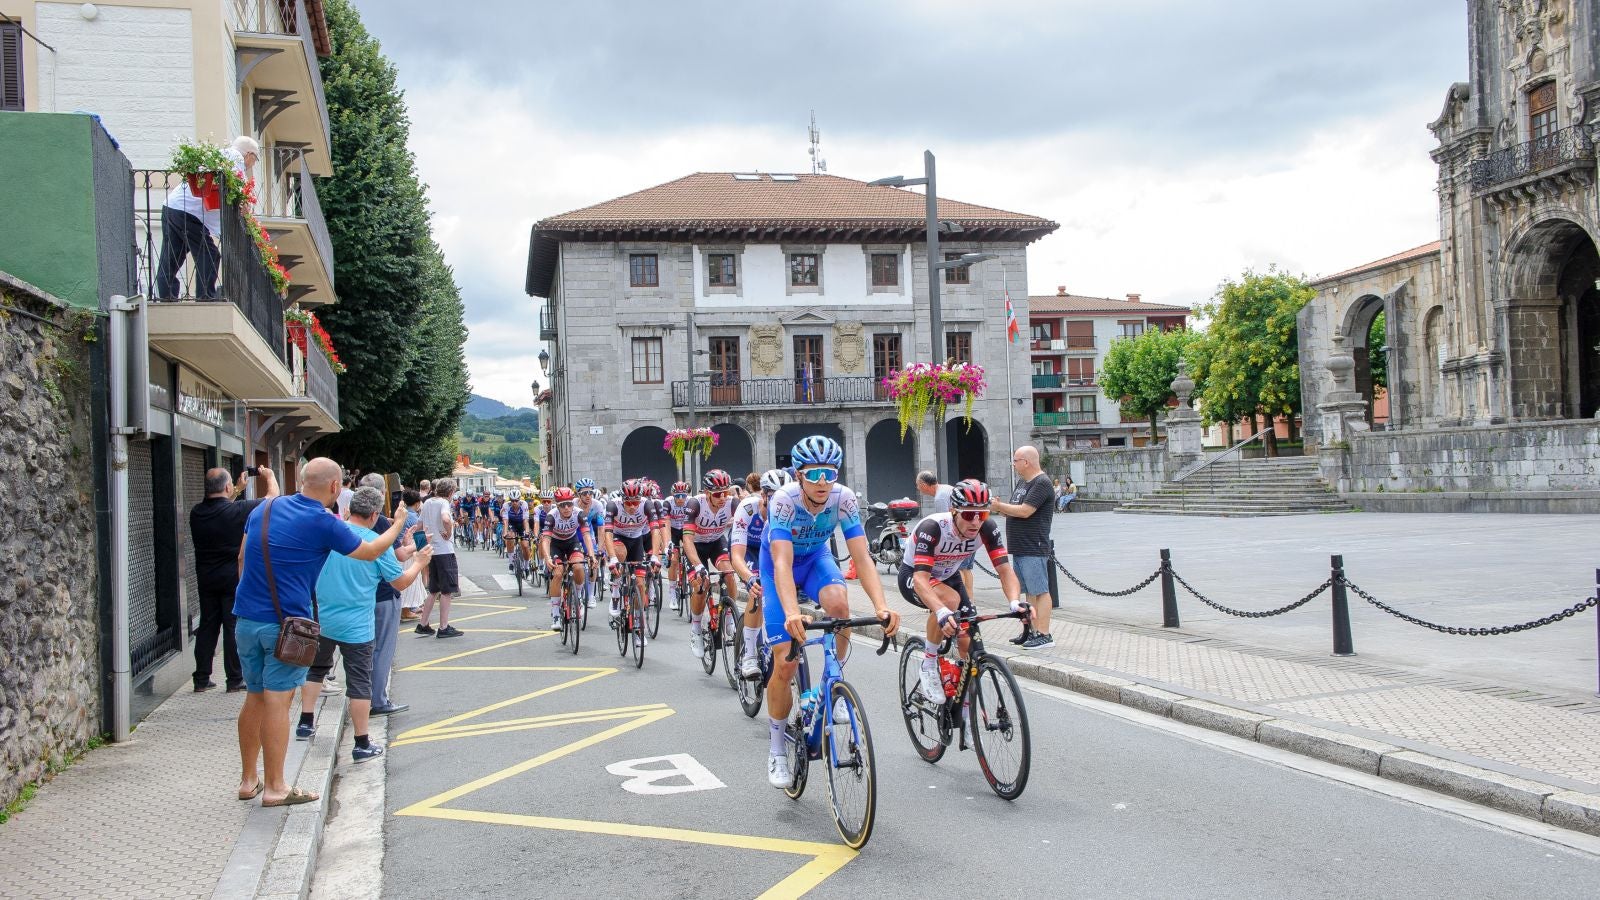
x=766, y=350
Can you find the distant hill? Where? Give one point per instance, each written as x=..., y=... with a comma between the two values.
x=488, y=408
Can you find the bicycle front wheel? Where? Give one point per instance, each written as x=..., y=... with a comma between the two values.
x=637, y=610
x=998, y=722
x=922, y=720
x=729, y=634
x=516, y=570
x=795, y=742
x=653, y=614
x=852, y=773
x=712, y=636
x=621, y=623
x=751, y=692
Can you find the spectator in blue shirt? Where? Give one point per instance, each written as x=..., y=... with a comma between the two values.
x=346, y=598
x=300, y=534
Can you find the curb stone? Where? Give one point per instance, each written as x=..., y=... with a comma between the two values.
x=1530, y=799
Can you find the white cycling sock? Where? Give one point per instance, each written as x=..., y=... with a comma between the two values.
x=777, y=736
x=930, y=659
x=751, y=636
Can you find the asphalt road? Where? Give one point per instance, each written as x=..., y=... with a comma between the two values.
x=498, y=786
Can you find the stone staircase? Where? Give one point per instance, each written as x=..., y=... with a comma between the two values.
x=1289, y=486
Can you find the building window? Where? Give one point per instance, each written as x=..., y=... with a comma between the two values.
x=808, y=377
x=647, y=360
x=804, y=270
x=958, y=275
x=885, y=270
x=642, y=270
x=11, y=67
x=1042, y=331
x=1080, y=371
x=720, y=270
x=1044, y=367
x=724, y=359
x=1131, y=329
x=885, y=354
x=958, y=346
x=1542, y=112
x=1080, y=335
x=1082, y=403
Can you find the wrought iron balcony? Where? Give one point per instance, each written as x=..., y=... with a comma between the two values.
x=1053, y=419
x=547, y=322
x=1564, y=149
x=721, y=392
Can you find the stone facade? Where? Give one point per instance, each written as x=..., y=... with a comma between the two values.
x=1117, y=473
x=1561, y=456
x=50, y=672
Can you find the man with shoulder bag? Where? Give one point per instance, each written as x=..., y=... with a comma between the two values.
x=285, y=544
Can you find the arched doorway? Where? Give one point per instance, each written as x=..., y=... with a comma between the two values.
x=789, y=434
x=733, y=454
x=1366, y=336
x=643, y=455
x=1553, y=266
x=1432, y=357
x=1581, y=301
x=966, y=449
x=891, y=462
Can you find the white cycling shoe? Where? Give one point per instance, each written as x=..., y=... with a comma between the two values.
x=778, y=774
x=697, y=643
x=750, y=667
x=932, y=686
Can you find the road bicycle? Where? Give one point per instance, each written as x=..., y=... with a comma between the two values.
x=751, y=692
x=631, y=621
x=829, y=723
x=570, y=606
x=653, y=615
x=465, y=536
x=980, y=698
x=521, y=566
x=720, y=636
x=680, y=585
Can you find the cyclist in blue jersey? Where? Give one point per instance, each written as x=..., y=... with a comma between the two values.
x=592, y=513
x=800, y=518
x=749, y=523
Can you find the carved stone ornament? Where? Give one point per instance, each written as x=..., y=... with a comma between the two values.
x=766, y=350
x=849, y=349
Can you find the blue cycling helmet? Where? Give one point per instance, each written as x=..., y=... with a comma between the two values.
x=584, y=484
x=817, y=450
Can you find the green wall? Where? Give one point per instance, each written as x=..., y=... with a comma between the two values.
x=47, y=204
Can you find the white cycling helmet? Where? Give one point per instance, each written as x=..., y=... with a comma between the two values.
x=773, y=479
x=515, y=495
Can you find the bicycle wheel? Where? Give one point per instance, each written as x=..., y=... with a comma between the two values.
x=751, y=692
x=516, y=570
x=622, y=623
x=635, y=612
x=583, y=604
x=713, y=634
x=653, y=613
x=852, y=774
x=567, y=625
x=570, y=606
x=794, y=743
x=730, y=633
x=999, y=725
x=922, y=724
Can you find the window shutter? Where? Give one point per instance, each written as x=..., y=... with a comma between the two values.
x=10, y=67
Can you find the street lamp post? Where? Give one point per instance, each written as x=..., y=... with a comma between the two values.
x=935, y=265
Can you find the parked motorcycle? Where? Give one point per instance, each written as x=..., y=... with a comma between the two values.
x=887, y=522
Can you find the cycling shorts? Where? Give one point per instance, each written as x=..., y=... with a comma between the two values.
x=568, y=550
x=677, y=537
x=954, y=582
x=712, y=552
x=518, y=528
x=634, y=547
x=812, y=573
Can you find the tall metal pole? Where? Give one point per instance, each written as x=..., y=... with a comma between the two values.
x=1011, y=431
x=935, y=318
x=688, y=461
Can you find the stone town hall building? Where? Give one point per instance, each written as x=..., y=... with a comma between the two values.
x=1497, y=325
x=792, y=295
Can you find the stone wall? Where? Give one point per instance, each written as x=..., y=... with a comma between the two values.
x=1117, y=473
x=1507, y=459
x=50, y=700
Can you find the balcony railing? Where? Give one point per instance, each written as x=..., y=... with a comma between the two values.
x=1051, y=419
x=289, y=192
x=314, y=378
x=1569, y=145
x=547, y=322
x=288, y=18
x=722, y=391
x=180, y=257
x=1047, y=382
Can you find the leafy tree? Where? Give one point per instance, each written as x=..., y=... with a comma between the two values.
x=1250, y=364
x=1140, y=371
x=1377, y=360
x=398, y=323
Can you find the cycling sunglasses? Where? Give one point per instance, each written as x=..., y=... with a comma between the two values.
x=718, y=495
x=973, y=515
x=821, y=475
x=566, y=503
x=632, y=502
x=680, y=494
x=586, y=493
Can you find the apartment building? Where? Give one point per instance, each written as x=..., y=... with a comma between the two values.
x=1068, y=336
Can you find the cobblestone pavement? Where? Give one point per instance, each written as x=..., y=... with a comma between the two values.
x=154, y=818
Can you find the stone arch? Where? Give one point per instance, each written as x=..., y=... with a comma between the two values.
x=642, y=455
x=966, y=449
x=891, y=462
x=1356, y=327
x=788, y=434
x=734, y=453
x=1433, y=353
x=1536, y=249
x=1551, y=323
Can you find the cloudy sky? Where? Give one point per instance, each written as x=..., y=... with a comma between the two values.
x=1177, y=143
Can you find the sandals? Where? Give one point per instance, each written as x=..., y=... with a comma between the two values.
x=293, y=798
x=260, y=786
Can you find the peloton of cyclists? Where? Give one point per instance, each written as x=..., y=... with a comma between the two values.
x=749, y=523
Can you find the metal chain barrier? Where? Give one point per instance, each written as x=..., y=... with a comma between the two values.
x=1247, y=614
x=1474, y=632
x=982, y=567
x=1133, y=590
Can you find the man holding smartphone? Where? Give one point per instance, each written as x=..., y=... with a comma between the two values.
x=216, y=526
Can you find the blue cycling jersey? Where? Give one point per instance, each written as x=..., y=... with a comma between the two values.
x=789, y=520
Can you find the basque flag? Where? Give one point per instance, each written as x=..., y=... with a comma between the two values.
x=1013, y=331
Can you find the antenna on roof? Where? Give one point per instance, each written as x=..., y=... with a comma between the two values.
x=818, y=164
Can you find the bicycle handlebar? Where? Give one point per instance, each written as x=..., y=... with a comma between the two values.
x=830, y=625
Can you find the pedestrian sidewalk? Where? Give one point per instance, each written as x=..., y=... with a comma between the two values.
x=1539, y=757
x=158, y=816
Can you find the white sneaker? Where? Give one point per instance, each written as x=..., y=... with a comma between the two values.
x=697, y=643
x=778, y=774
x=589, y=603
x=932, y=686
x=750, y=667
x=555, y=620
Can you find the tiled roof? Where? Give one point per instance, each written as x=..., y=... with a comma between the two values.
x=1413, y=253
x=766, y=207
x=1079, y=305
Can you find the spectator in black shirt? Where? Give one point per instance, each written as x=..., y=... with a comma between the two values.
x=1028, y=518
x=216, y=526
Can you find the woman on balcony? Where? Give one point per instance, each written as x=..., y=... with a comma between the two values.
x=188, y=229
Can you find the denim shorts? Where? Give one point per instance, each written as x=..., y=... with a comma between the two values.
x=262, y=670
x=1034, y=573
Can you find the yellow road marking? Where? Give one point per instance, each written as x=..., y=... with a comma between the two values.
x=825, y=858
x=497, y=610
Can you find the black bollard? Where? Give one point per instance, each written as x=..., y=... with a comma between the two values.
x=1597, y=626
x=1342, y=644
x=1055, y=588
x=1169, y=593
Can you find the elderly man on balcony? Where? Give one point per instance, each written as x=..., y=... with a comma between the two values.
x=189, y=230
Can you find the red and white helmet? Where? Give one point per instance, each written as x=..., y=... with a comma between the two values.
x=717, y=480
x=680, y=487
x=633, y=489
x=564, y=495
x=969, y=494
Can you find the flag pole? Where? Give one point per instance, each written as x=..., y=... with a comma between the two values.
x=1011, y=319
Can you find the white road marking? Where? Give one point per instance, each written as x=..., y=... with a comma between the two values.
x=469, y=588
x=506, y=581
x=679, y=765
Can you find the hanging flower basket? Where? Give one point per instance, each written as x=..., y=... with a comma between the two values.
x=681, y=441
x=925, y=386
x=310, y=330
x=297, y=336
x=205, y=186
